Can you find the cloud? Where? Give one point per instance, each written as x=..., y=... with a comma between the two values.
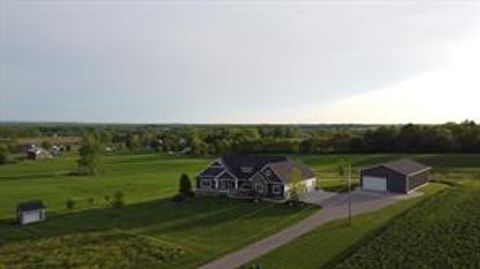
x=262, y=61
x=449, y=93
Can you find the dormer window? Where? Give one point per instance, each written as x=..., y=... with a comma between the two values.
x=246, y=169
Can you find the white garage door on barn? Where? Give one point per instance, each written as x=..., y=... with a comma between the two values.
x=374, y=183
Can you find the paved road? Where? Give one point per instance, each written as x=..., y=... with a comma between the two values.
x=335, y=208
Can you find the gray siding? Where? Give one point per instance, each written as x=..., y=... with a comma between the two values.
x=418, y=180
x=396, y=182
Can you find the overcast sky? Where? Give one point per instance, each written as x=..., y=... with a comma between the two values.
x=390, y=61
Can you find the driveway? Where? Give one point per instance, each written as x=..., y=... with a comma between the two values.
x=334, y=207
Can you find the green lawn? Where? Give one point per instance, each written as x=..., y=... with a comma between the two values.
x=140, y=177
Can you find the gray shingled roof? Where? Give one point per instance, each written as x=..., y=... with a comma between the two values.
x=283, y=169
x=212, y=172
x=245, y=166
x=30, y=206
x=406, y=166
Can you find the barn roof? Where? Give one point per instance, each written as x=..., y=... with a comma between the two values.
x=404, y=166
x=30, y=205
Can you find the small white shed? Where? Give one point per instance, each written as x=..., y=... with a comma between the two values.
x=30, y=212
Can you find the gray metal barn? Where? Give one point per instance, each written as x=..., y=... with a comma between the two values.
x=401, y=176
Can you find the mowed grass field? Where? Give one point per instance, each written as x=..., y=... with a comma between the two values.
x=437, y=230
x=179, y=236
x=196, y=231
x=140, y=177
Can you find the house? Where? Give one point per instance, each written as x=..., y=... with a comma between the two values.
x=30, y=212
x=400, y=176
x=35, y=152
x=254, y=176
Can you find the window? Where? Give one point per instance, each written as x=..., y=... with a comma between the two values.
x=205, y=183
x=276, y=189
x=268, y=173
x=259, y=188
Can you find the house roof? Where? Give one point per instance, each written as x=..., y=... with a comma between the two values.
x=245, y=166
x=212, y=171
x=404, y=166
x=30, y=205
x=283, y=169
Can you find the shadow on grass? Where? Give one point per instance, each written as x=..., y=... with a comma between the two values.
x=159, y=216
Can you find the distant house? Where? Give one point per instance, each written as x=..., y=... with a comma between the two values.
x=401, y=176
x=30, y=212
x=35, y=152
x=254, y=176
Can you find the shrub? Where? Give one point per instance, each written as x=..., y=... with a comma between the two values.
x=3, y=154
x=117, y=201
x=91, y=201
x=185, y=186
x=70, y=204
x=107, y=198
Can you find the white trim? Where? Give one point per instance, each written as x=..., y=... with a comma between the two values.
x=419, y=172
x=223, y=172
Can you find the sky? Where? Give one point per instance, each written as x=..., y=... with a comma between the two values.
x=252, y=61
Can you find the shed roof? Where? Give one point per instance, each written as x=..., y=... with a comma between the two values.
x=30, y=205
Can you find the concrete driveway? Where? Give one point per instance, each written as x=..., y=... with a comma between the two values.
x=334, y=207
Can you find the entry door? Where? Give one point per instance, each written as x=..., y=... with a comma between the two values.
x=374, y=183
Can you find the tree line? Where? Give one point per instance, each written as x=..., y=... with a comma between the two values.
x=202, y=140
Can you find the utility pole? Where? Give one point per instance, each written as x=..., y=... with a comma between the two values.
x=350, y=194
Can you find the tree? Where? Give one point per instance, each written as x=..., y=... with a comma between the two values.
x=3, y=154
x=70, y=204
x=296, y=188
x=117, y=201
x=91, y=151
x=198, y=146
x=185, y=186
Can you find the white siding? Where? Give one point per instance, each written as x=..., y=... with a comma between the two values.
x=31, y=216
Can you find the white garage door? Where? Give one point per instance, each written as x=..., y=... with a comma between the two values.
x=32, y=216
x=374, y=183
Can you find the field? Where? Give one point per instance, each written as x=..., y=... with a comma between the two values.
x=200, y=230
x=444, y=214
x=443, y=232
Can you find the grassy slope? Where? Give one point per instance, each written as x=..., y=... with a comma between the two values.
x=204, y=227
x=320, y=247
